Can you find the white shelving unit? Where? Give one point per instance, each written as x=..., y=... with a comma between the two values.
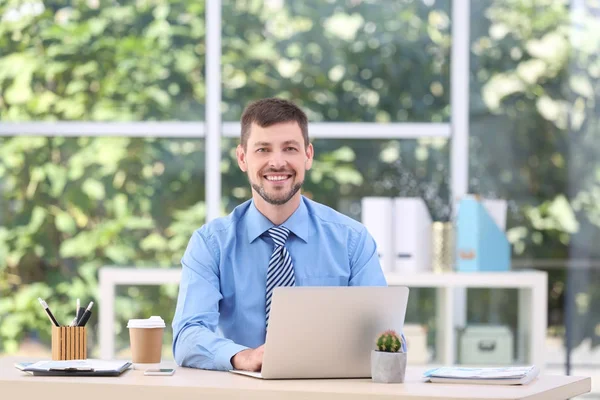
x=531, y=285
x=532, y=307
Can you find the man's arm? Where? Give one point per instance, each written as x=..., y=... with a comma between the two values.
x=195, y=343
x=365, y=269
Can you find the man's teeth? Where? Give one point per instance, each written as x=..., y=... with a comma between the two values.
x=277, y=177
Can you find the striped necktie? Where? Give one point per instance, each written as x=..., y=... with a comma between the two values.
x=281, y=270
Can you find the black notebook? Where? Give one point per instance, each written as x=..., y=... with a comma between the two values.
x=75, y=368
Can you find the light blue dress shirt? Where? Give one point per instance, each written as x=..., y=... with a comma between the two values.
x=224, y=271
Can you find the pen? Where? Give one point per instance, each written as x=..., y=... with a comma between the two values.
x=74, y=322
x=80, y=311
x=47, y=309
x=86, y=315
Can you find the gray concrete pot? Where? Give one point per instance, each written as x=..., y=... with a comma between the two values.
x=388, y=367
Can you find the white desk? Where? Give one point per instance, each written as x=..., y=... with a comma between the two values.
x=533, y=301
x=198, y=384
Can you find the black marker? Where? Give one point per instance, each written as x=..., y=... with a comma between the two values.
x=86, y=315
x=47, y=309
x=80, y=311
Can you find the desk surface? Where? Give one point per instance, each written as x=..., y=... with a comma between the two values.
x=198, y=384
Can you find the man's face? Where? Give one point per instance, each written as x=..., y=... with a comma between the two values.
x=276, y=160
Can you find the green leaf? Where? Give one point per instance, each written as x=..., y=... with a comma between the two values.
x=344, y=26
x=93, y=188
x=57, y=176
x=11, y=326
x=65, y=223
x=20, y=91
x=139, y=223
x=6, y=305
x=76, y=86
x=161, y=11
x=347, y=175
x=38, y=215
x=120, y=205
x=120, y=254
x=344, y=154
x=160, y=96
x=154, y=241
x=82, y=245
x=185, y=61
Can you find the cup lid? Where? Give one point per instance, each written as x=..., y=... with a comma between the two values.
x=152, y=322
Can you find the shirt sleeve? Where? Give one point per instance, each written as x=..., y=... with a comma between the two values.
x=365, y=269
x=195, y=341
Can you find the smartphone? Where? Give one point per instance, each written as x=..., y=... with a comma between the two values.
x=159, y=372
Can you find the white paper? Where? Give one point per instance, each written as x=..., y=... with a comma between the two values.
x=480, y=373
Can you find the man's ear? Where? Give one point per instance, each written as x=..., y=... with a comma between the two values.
x=241, y=158
x=310, y=153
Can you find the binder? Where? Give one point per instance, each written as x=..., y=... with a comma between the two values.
x=75, y=368
x=401, y=228
x=377, y=217
x=412, y=235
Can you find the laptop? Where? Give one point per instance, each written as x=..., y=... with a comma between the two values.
x=328, y=332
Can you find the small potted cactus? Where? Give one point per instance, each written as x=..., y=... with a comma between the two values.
x=388, y=361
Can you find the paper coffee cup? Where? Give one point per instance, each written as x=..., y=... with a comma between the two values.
x=146, y=336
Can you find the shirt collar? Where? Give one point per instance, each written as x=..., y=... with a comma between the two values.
x=297, y=223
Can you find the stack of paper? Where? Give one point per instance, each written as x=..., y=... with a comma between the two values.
x=487, y=376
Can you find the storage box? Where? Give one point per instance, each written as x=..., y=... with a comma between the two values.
x=416, y=342
x=486, y=345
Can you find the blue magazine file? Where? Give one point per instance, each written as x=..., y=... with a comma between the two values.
x=480, y=244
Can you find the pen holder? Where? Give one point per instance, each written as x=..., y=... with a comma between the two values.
x=69, y=343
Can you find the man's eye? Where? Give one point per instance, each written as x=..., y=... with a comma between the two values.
x=290, y=149
x=260, y=150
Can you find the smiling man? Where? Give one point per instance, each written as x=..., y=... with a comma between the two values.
x=278, y=238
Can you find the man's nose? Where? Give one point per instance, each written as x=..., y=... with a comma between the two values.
x=277, y=161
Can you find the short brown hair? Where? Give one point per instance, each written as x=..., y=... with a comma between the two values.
x=271, y=111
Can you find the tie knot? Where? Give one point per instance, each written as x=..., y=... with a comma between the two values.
x=279, y=234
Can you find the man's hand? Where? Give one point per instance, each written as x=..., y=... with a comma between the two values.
x=249, y=360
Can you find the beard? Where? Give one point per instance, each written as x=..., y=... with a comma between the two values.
x=279, y=198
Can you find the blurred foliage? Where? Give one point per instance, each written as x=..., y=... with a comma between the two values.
x=351, y=61
x=535, y=91
x=71, y=205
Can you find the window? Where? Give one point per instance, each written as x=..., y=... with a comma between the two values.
x=91, y=61
x=534, y=141
x=340, y=60
x=88, y=182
